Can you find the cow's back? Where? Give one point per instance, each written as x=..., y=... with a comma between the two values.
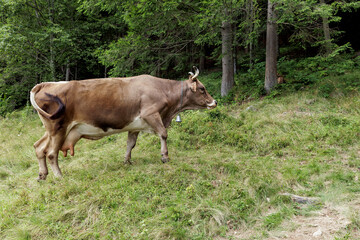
x=104, y=103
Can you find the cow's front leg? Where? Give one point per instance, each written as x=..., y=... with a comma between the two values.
x=131, y=142
x=164, y=149
x=156, y=123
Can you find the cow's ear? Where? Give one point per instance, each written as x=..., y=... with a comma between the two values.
x=193, y=86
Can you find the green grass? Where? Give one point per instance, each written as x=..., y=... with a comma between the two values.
x=227, y=169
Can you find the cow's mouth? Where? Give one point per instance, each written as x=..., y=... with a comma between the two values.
x=212, y=105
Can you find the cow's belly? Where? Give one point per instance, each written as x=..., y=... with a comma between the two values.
x=77, y=130
x=89, y=131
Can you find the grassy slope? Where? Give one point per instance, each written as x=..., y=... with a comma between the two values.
x=227, y=170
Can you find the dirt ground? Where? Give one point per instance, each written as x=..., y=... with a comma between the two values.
x=328, y=223
x=324, y=224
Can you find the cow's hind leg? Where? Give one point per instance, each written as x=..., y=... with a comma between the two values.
x=55, y=143
x=131, y=142
x=40, y=149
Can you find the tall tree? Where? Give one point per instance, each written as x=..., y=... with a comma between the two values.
x=51, y=41
x=271, y=48
x=227, y=81
x=326, y=30
x=249, y=28
x=223, y=15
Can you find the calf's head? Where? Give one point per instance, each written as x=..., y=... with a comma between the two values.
x=198, y=97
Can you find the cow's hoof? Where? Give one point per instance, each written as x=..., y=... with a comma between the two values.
x=58, y=176
x=165, y=159
x=41, y=177
x=128, y=162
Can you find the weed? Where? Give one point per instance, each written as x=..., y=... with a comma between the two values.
x=326, y=89
x=273, y=220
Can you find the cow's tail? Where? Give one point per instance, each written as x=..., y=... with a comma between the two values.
x=52, y=98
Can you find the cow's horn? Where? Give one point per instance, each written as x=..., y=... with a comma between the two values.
x=196, y=72
x=192, y=74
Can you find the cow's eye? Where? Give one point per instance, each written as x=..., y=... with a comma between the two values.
x=202, y=90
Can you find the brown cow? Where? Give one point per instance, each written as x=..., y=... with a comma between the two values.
x=96, y=108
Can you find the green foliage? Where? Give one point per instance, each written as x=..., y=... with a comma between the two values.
x=5, y=105
x=154, y=47
x=251, y=84
x=330, y=74
x=305, y=19
x=337, y=74
x=326, y=89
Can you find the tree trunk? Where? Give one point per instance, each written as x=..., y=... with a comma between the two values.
x=234, y=52
x=52, y=62
x=250, y=19
x=326, y=30
x=52, y=54
x=67, y=72
x=227, y=58
x=76, y=72
x=271, y=49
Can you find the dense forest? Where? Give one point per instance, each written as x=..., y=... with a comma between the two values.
x=49, y=40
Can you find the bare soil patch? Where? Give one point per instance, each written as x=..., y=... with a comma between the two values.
x=323, y=224
x=327, y=223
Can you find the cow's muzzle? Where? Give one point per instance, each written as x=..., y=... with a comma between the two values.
x=212, y=105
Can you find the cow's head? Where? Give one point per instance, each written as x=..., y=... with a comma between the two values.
x=198, y=96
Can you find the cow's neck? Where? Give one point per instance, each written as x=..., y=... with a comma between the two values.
x=181, y=95
x=178, y=99
x=178, y=96
x=181, y=92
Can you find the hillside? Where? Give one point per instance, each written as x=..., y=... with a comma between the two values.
x=229, y=171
